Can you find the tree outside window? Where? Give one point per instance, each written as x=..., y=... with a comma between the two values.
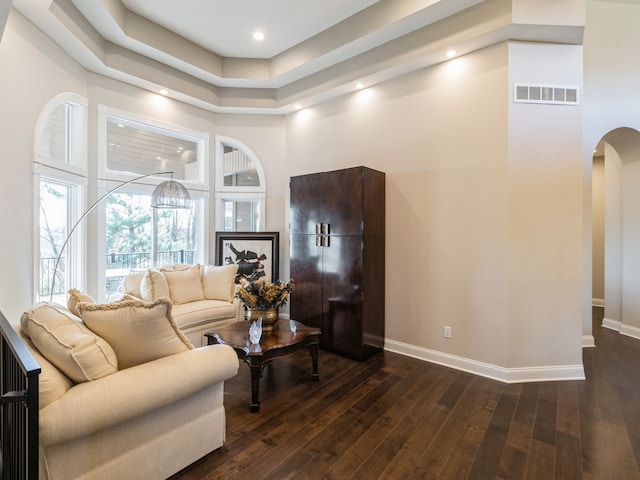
x=140, y=237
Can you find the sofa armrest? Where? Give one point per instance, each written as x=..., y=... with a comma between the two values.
x=92, y=406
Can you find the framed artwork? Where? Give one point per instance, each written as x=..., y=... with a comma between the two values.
x=250, y=251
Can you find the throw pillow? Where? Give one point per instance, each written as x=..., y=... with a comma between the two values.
x=68, y=344
x=138, y=331
x=76, y=296
x=131, y=284
x=184, y=285
x=218, y=283
x=154, y=286
x=52, y=383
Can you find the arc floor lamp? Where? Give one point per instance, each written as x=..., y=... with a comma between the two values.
x=169, y=194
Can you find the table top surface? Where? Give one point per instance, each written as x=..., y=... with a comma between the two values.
x=285, y=333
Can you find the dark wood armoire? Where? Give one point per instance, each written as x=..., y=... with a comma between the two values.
x=337, y=257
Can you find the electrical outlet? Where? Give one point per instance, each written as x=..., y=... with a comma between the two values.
x=447, y=331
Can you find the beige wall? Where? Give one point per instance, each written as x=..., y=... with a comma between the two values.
x=613, y=234
x=33, y=71
x=630, y=155
x=484, y=202
x=545, y=212
x=612, y=68
x=598, y=216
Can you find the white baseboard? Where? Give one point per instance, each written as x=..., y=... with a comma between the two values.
x=597, y=302
x=621, y=328
x=611, y=324
x=506, y=375
x=629, y=331
x=588, y=341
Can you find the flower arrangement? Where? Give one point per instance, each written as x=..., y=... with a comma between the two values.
x=256, y=293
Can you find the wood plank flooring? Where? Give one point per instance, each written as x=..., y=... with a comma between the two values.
x=393, y=417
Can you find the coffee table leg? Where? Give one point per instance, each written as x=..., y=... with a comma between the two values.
x=256, y=373
x=313, y=350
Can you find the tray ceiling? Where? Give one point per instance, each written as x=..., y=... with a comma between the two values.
x=202, y=51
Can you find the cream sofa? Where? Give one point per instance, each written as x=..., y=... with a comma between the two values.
x=202, y=295
x=137, y=401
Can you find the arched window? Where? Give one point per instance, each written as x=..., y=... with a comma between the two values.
x=240, y=187
x=60, y=172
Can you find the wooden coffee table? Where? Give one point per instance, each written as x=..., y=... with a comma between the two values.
x=277, y=343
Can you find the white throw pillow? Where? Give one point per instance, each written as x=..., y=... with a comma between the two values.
x=218, y=283
x=131, y=284
x=68, y=344
x=184, y=285
x=138, y=331
x=154, y=286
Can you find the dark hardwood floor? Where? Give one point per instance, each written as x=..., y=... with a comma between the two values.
x=393, y=417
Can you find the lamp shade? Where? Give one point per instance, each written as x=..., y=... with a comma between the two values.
x=170, y=194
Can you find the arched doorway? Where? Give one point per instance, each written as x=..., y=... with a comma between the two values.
x=616, y=230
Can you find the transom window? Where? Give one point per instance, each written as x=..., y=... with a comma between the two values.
x=138, y=148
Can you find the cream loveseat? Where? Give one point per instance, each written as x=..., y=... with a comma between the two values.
x=202, y=295
x=123, y=393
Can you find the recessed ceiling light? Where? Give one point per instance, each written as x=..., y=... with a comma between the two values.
x=258, y=36
x=359, y=85
x=164, y=91
x=451, y=53
x=297, y=106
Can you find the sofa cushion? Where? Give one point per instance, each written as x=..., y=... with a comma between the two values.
x=185, y=285
x=191, y=314
x=154, y=286
x=76, y=296
x=68, y=344
x=138, y=331
x=131, y=284
x=218, y=283
x=52, y=383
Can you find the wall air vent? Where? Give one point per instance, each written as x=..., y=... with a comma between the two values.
x=551, y=94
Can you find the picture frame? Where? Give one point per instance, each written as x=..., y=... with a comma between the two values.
x=250, y=251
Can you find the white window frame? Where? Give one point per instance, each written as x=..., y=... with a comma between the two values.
x=109, y=179
x=72, y=172
x=237, y=193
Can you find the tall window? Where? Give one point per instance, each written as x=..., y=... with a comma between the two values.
x=60, y=171
x=137, y=236
x=240, y=187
